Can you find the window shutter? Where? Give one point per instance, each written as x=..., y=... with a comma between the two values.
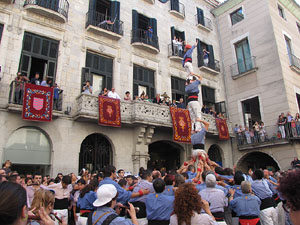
x=1, y=30
x=135, y=90
x=175, y=5
x=152, y=90
x=92, y=5
x=115, y=16
x=200, y=16
x=135, y=26
x=172, y=33
x=183, y=36
x=200, y=53
x=108, y=82
x=51, y=70
x=25, y=65
x=211, y=62
x=86, y=75
x=153, y=24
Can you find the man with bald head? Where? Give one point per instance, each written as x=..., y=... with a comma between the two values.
x=156, y=174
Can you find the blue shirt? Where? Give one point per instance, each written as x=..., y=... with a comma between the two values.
x=56, y=93
x=86, y=202
x=159, y=206
x=188, y=54
x=123, y=195
x=246, y=205
x=191, y=174
x=169, y=190
x=272, y=186
x=199, y=137
x=181, y=105
x=143, y=184
x=117, y=221
x=238, y=190
x=193, y=87
x=202, y=186
x=261, y=189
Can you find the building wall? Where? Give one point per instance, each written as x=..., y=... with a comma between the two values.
x=67, y=135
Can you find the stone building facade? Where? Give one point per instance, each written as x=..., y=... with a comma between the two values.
x=259, y=43
x=106, y=42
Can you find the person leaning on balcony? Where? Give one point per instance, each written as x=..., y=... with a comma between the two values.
x=36, y=79
x=113, y=94
x=175, y=45
x=205, y=57
x=281, y=122
x=88, y=89
x=19, y=87
x=127, y=96
x=181, y=104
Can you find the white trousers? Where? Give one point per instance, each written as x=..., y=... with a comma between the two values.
x=269, y=216
x=142, y=221
x=82, y=220
x=194, y=108
x=62, y=214
x=189, y=67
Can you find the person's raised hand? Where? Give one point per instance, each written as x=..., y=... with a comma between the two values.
x=131, y=210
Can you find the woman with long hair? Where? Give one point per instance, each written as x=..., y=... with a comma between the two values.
x=187, y=207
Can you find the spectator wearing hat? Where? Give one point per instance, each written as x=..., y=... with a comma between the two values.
x=106, y=201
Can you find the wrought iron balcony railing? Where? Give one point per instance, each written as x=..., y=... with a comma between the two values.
x=294, y=61
x=175, y=50
x=178, y=7
x=242, y=67
x=108, y=23
x=144, y=36
x=205, y=22
x=16, y=93
x=59, y=6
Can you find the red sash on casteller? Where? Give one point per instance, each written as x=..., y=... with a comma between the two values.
x=249, y=221
x=188, y=60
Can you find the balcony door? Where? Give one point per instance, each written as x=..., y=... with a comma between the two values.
x=289, y=49
x=39, y=55
x=251, y=111
x=143, y=81
x=243, y=56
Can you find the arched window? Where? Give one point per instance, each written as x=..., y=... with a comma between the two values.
x=95, y=152
x=214, y=154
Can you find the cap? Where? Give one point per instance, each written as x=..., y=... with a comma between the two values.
x=105, y=194
x=188, y=46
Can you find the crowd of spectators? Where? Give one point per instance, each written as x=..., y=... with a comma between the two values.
x=197, y=193
x=209, y=110
x=287, y=127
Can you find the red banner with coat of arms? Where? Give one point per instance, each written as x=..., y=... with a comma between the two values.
x=109, y=112
x=37, y=103
x=181, y=125
x=223, y=129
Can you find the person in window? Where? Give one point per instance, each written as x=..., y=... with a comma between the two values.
x=147, y=99
x=157, y=99
x=281, y=122
x=104, y=92
x=187, y=59
x=88, y=89
x=19, y=87
x=44, y=82
x=297, y=120
x=36, y=79
x=175, y=45
x=113, y=94
x=173, y=104
x=181, y=104
x=56, y=94
x=142, y=96
x=180, y=47
x=205, y=57
x=127, y=96
x=149, y=34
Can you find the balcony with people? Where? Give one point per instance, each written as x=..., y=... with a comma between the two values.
x=176, y=48
x=144, y=32
x=177, y=9
x=104, y=18
x=203, y=22
x=54, y=9
x=206, y=59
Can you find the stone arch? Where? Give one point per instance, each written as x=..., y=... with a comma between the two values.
x=164, y=154
x=96, y=151
x=29, y=148
x=257, y=160
x=216, y=154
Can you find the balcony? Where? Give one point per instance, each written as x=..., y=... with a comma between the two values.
x=294, y=63
x=269, y=136
x=204, y=24
x=211, y=68
x=54, y=9
x=102, y=24
x=244, y=68
x=15, y=100
x=177, y=9
x=134, y=112
x=175, y=52
x=145, y=40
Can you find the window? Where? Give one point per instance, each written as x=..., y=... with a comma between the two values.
x=298, y=26
x=251, y=111
x=243, y=55
x=1, y=31
x=205, y=55
x=98, y=71
x=237, y=16
x=178, y=89
x=208, y=96
x=281, y=12
x=177, y=44
x=141, y=29
x=298, y=100
x=39, y=55
x=143, y=81
x=289, y=49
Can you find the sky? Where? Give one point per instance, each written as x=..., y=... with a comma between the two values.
x=298, y=1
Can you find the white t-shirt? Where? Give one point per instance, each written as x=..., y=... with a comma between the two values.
x=197, y=219
x=113, y=95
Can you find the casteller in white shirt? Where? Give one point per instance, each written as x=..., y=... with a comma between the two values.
x=113, y=94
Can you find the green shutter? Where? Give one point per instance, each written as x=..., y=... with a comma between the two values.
x=200, y=16
x=86, y=75
x=135, y=26
x=200, y=53
x=115, y=16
